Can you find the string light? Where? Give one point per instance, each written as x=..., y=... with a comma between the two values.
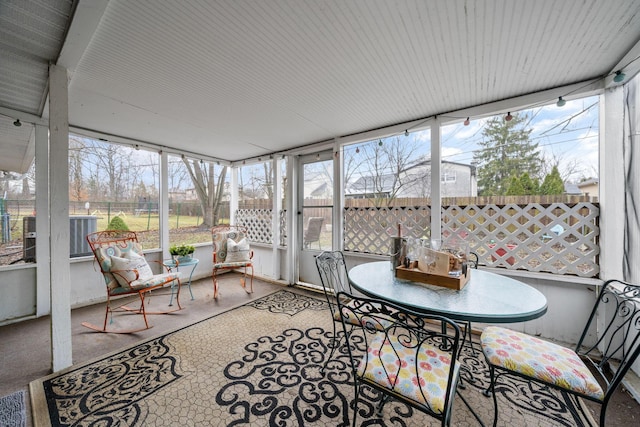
x=466, y=122
x=406, y=132
x=619, y=77
x=508, y=117
x=561, y=102
x=357, y=150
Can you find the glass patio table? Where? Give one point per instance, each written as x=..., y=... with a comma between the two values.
x=486, y=298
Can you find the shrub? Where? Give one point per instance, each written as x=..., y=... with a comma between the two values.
x=117, y=223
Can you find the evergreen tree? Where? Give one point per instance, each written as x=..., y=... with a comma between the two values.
x=505, y=151
x=552, y=183
x=515, y=187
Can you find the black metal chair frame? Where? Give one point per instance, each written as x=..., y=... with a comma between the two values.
x=404, y=327
x=334, y=278
x=612, y=355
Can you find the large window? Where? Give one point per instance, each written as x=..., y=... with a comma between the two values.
x=198, y=199
x=116, y=184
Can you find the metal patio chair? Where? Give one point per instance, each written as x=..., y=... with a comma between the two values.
x=593, y=370
x=127, y=273
x=334, y=278
x=231, y=251
x=400, y=353
x=312, y=232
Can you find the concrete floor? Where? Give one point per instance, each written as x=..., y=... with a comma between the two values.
x=25, y=347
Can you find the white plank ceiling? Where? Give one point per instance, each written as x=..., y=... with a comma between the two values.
x=240, y=79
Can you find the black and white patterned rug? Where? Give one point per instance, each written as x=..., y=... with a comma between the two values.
x=259, y=365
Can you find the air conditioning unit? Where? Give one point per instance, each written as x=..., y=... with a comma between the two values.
x=79, y=227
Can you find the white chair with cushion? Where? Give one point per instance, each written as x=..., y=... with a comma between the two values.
x=126, y=273
x=231, y=251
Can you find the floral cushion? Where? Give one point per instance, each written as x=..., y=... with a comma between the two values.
x=391, y=365
x=104, y=253
x=220, y=244
x=539, y=359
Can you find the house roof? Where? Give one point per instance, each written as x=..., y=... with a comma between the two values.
x=231, y=80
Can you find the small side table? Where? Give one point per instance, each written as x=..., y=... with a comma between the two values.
x=193, y=263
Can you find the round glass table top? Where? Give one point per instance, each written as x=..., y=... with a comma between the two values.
x=487, y=297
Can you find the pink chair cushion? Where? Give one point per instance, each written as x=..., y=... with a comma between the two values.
x=393, y=366
x=539, y=359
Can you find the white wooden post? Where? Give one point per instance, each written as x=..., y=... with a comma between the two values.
x=61, y=350
x=612, y=186
x=436, y=199
x=233, y=203
x=163, y=208
x=276, y=179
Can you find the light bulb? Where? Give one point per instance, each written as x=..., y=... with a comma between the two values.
x=508, y=117
x=619, y=77
x=561, y=102
x=466, y=122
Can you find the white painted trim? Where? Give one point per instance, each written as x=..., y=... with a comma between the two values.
x=338, y=197
x=43, y=254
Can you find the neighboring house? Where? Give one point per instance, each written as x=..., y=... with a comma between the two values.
x=572, y=189
x=590, y=187
x=458, y=180
x=317, y=186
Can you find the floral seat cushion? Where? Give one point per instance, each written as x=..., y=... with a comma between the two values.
x=392, y=365
x=539, y=359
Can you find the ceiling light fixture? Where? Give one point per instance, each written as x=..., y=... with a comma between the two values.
x=17, y=123
x=561, y=102
x=619, y=77
x=508, y=117
x=466, y=122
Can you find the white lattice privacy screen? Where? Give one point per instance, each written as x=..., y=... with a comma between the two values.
x=556, y=238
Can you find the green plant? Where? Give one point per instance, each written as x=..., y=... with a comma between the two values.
x=117, y=223
x=181, y=250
